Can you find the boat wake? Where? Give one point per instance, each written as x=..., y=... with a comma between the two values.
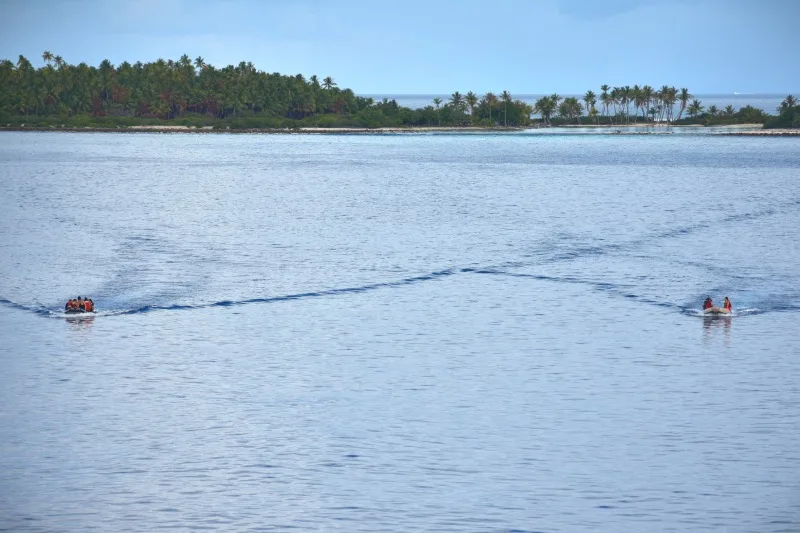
x=123, y=294
x=688, y=309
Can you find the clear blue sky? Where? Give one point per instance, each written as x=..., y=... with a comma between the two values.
x=435, y=46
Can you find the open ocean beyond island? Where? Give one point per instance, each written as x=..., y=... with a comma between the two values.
x=399, y=333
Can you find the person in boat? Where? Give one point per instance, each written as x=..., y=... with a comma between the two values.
x=708, y=304
x=68, y=305
x=88, y=305
x=727, y=305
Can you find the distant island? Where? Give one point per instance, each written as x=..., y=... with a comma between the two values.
x=193, y=94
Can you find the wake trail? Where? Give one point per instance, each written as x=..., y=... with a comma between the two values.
x=550, y=254
x=547, y=254
x=58, y=312
x=610, y=288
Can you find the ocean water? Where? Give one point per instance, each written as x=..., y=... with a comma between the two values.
x=495, y=332
x=765, y=102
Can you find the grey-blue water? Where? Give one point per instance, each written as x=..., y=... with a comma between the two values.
x=399, y=333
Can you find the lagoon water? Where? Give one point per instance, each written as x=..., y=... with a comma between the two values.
x=495, y=332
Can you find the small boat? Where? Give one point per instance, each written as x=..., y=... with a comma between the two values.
x=716, y=311
x=76, y=311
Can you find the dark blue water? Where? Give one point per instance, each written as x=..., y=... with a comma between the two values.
x=399, y=333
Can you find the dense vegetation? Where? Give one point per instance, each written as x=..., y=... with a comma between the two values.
x=193, y=93
x=789, y=116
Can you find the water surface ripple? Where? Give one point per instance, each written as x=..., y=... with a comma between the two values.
x=399, y=333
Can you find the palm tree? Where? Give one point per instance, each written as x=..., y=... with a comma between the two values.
x=545, y=107
x=328, y=83
x=506, y=96
x=647, y=98
x=604, y=98
x=525, y=112
x=472, y=100
x=712, y=111
x=47, y=56
x=666, y=103
x=684, y=97
x=438, y=102
x=729, y=110
x=788, y=103
x=590, y=100
x=625, y=100
x=570, y=109
x=695, y=108
x=491, y=99
x=638, y=101
x=457, y=101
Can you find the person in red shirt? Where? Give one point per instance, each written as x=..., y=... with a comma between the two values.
x=727, y=305
x=707, y=304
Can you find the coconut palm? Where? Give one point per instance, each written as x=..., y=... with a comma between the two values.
x=684, y=97
x=695, y=108
x=590, y=100
x=471, y=100
x=438, y=102
x=490, y=99
x=47, y=56
x=666, y=105
x=525, y=110
x=571, y=109
x=328, y=83
x=729, y=110
x=545, y=106
x=506, y=96
x=457, y=101
x=604, y=98
x=647, y=99
x=788, y=103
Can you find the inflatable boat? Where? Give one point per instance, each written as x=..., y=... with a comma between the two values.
x=716, y=311
x=77, y=312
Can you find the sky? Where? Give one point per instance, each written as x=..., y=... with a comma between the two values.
x=435, y=46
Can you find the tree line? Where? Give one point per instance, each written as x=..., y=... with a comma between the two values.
x=193, y=92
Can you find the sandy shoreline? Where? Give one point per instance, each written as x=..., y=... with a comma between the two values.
x=732, y=129
x=284, y=131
